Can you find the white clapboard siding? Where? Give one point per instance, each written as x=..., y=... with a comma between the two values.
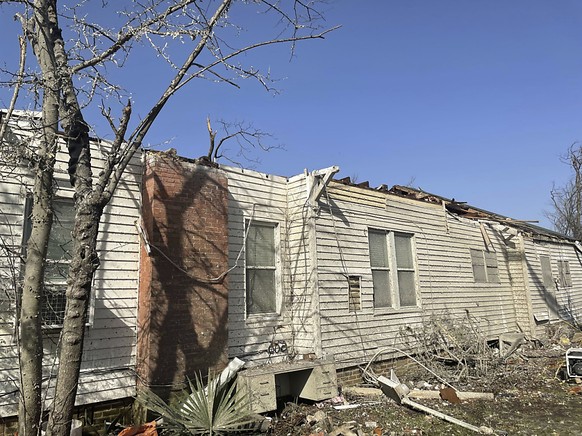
x=443, y=262
x=259, y=197
x=110, y=339
x=262, y=197
x=301, y=279
x=557, y=301
x=12, y=197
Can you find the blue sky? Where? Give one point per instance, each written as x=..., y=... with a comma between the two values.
x=475, y=100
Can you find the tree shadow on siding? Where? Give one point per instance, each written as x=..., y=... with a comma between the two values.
x=185, y=324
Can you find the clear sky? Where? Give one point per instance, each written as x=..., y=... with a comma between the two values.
x=475, y=100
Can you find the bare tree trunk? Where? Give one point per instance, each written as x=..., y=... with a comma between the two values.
x=83, y=265
x=61, y=105
x=31, y=346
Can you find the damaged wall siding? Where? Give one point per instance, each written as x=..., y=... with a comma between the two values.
x=107, y=371
x=443, y=268
x=302, y=278
x=550, y=299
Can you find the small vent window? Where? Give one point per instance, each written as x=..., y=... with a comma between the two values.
x=355, y=295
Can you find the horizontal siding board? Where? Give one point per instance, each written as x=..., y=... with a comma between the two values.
x=110, y=340
x=443, y=265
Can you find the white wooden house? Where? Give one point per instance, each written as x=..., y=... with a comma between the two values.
x=314, y=267
x=333, y=269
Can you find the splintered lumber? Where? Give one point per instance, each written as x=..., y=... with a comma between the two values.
x=444, y=417
x=435, y=395
x=399, y=393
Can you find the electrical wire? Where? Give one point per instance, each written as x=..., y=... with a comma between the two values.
x=212, y=280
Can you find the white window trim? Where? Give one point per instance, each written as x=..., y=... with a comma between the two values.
x=278, y=276
x=61, y=196
x=393, y=272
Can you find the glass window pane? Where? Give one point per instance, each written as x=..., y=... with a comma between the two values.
x=260, y=247
x=56, y=272
x=568, y=277
x=491, y=264
x=406, y=288
x=381, y=282
x=564, y=271
x=403, y=247
x=378, y=249
x=60, y=240
x=261, y=293
x=478, y=264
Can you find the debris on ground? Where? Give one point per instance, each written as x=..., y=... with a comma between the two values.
x=529, y=393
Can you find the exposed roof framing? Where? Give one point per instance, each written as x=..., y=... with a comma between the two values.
x=463, y=209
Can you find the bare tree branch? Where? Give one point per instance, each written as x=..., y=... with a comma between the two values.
x=17, y=86
x=567, y=199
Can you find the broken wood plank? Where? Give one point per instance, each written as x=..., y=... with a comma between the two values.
x=399, y=393
x=448, y=418
x=435, y=395
x=362, y=391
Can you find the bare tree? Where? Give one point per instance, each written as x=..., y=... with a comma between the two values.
x=567, y=199
x=245, y=135
x=69, y=73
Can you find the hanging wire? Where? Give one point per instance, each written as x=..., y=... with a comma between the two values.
x=217, y=279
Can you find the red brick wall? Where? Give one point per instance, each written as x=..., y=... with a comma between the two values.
x=182, y=315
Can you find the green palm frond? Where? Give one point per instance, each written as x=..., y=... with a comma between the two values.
x=214, y=410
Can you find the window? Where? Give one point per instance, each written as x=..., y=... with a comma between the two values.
x=393, y=269
x=57, y=259
x=485, y=269
x=261, y=268
x=564, y=273
x=354, y=296
x=547, y=279
x=380, y=268
x=57, y=262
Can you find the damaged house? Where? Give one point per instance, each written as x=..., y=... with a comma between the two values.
x=201, y=263
x=271, y=269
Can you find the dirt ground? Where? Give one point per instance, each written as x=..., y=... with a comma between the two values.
x=531, y=397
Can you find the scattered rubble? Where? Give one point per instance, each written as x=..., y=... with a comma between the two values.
x=527, y=394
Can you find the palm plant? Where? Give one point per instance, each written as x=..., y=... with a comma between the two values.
x=214, y=410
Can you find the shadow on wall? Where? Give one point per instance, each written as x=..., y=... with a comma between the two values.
x=183, y=307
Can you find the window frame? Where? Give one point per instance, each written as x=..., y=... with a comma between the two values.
x=564, y=274
x=548, y=281
x=248, y=223
x=393, y=269
x=62, y=282
x=490, y=263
